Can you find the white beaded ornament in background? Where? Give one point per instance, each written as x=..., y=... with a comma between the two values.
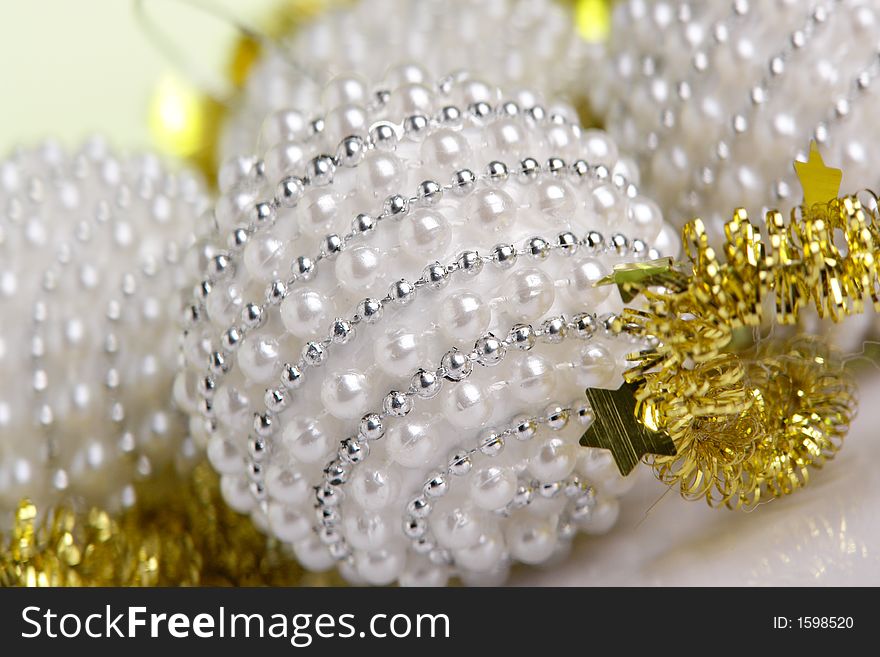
x=486, y=37
x=384, y=298
x=91, y=251
x=718, y=98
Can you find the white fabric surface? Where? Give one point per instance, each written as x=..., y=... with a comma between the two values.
x=827, y=534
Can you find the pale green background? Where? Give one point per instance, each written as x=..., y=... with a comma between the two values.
x=70, y=68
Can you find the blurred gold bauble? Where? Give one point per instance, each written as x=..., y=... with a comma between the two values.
x=186, y=122
x=180, y=533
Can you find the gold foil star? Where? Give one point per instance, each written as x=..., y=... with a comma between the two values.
x=625, y=427
x=632, y=278
x=819, y=182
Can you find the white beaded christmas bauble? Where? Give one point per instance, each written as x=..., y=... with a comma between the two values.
x=391, y=360
x=91, y=253
x=718, y=98
x=426, y=39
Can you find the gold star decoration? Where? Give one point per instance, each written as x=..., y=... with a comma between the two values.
x=624, y=426
x=819, y=182
x=632, y=278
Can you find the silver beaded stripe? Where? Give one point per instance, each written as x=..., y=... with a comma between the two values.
x=350, y=153
x=40, y=386
x=840, y=109
x=304, y=268
x=370, y=310
x=112, y=380
x=759, y=94
x=40, y=315
x=130, y=281
x=670, y=114
x=455, y=366
x=383, y=135
x=320, y=170
x=490, y=444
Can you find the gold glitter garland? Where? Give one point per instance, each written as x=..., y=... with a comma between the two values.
x=748, y=427
x=763, y=421
x=180, y=533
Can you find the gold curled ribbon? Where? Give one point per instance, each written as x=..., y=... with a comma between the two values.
x=748, y=427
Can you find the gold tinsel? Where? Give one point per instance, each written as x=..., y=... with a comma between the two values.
x=748, y=427
x=764, y=420
x=181, y=533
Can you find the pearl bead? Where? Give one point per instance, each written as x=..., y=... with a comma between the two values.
x=399, y=352
x=306, y=439
x=306, y=313
x=412, y=442
x=344, y=89
x=445, y=151
x=531, y=293
x=467, y=406
x=313, y=554
x=283, y=160
x=412, y=98
x=401, y=74
x=595, y=368
x=426, y=234
x=345, y=394
x=644, y=217
x=358, y=269
x=599, y=148
x=234, y=172
x=422, y=573
x=609, y=206
x=381, y=173
x=492, y=487
x=184, y=392
x=534, y=379
x=258, y=358
x=561, y=138
x=507, y=136
x=224, y=303
x=317, y=211
x=456, y=528
x=477, y=91
x=491, y=208
x=554, y=199
x=584, y=274
x=531, y=539
x=344, y=121
x=288, y=524
x=668, y=242
x=265, y=257
x=236, y=492
x=232, y=407
x=366, y=531
x=381, y=567
x=288, y=486
x=223, y=455
x=283, y=125
x=602, y=517
x=230, y=207
x=373, y=488
x=464, y=316
x=552, y=459
x=483, y=555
